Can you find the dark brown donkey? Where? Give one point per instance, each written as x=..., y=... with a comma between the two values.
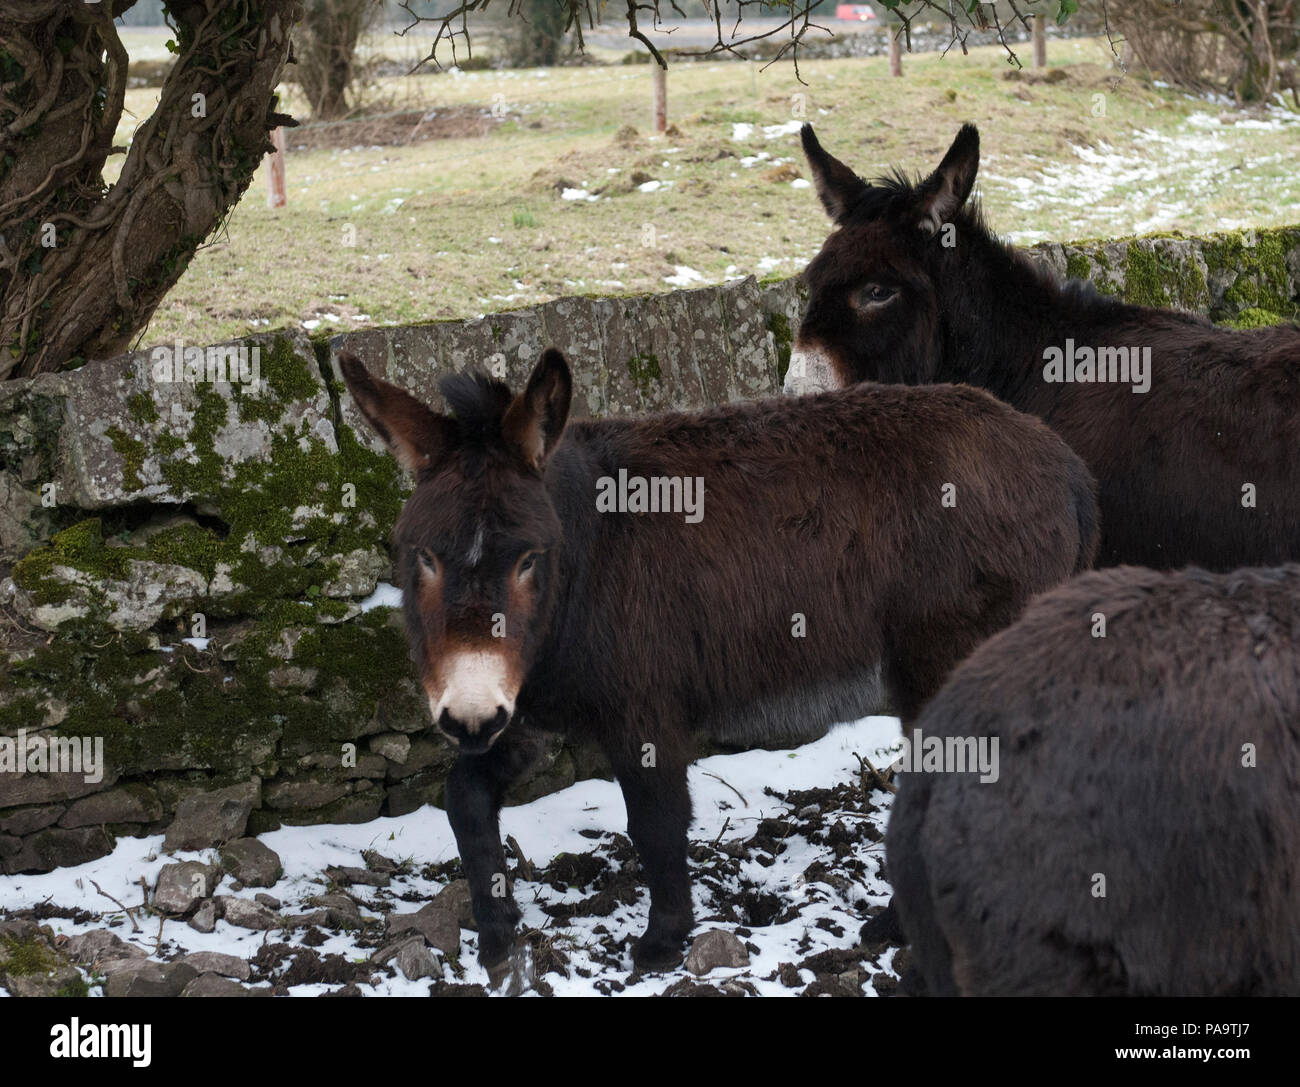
x=809, y=557
x=1192, y=431
x=1140, y=838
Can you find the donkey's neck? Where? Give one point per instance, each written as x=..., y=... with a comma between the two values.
x=1004, y=310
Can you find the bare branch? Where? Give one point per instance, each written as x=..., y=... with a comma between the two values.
x=797, y=20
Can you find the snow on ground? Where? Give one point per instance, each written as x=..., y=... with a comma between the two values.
x=1135, y=182
x=684, y=276
x=793, y=875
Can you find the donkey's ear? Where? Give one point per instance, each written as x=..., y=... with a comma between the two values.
x=942, y=194
x=535, y=419
x=416, y=435
x=837, y=185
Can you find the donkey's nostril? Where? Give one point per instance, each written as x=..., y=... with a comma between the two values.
x=477, y=738
x=473, y=717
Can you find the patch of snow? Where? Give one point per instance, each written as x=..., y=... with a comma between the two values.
x=771, y=132
x=384, y=596
x=684, y=276
x=728, y=802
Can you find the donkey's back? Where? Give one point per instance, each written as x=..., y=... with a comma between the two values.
x=1141, y=836
x=851, y=548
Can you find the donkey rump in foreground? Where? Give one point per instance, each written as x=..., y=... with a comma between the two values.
x=829, y=569
x=913, y=288
x=1162, y=759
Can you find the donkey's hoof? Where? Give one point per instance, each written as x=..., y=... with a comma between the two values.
x=655, y=955
x=515, y=974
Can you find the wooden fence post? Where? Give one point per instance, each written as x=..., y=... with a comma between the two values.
x=661, y=96
x=275, y=192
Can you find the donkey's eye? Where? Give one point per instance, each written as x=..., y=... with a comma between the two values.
x=873, y=294
x=529, y=561
x=429, y=561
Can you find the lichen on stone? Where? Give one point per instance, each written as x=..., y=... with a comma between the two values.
x=644, y=370
x=779, y=325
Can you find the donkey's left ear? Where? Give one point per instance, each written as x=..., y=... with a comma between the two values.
x=838, y=187
x=415, y=434
x=941, y=195
x=535, y=419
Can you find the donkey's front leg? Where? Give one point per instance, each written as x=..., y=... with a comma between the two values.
x=658, y=817
x=475, y=788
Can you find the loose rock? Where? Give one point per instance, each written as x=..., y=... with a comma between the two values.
x=416, y=961
x=252, y=863
x=437, y=925
x=215, y=985
x=217, y=962
x=100, y=945
x=364, y=876
x=246, y=914
x=455, y=899
x=147, y=978
x=183, y=885
x=713, y=949
x=340, y=911
x=205, y=917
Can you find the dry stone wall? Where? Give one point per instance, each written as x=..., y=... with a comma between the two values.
x=185, y=565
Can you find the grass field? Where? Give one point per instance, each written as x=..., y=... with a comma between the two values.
x=547, y=199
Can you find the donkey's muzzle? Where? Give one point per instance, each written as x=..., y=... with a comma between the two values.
x=475, y=738
x=810, y=371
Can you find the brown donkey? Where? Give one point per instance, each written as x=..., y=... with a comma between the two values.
x=1140, y=838
x=808, y=559
x=1192, y=431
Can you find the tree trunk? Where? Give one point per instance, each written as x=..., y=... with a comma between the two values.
x=326, y=54
x=83, y=267
x=540, y=33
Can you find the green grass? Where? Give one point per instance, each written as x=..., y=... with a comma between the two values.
x=462, y=226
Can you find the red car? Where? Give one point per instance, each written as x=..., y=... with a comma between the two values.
x=854, y=13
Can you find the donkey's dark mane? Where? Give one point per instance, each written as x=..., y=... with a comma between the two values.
x=883, y=196
x=892, y=193
x=478, y=403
